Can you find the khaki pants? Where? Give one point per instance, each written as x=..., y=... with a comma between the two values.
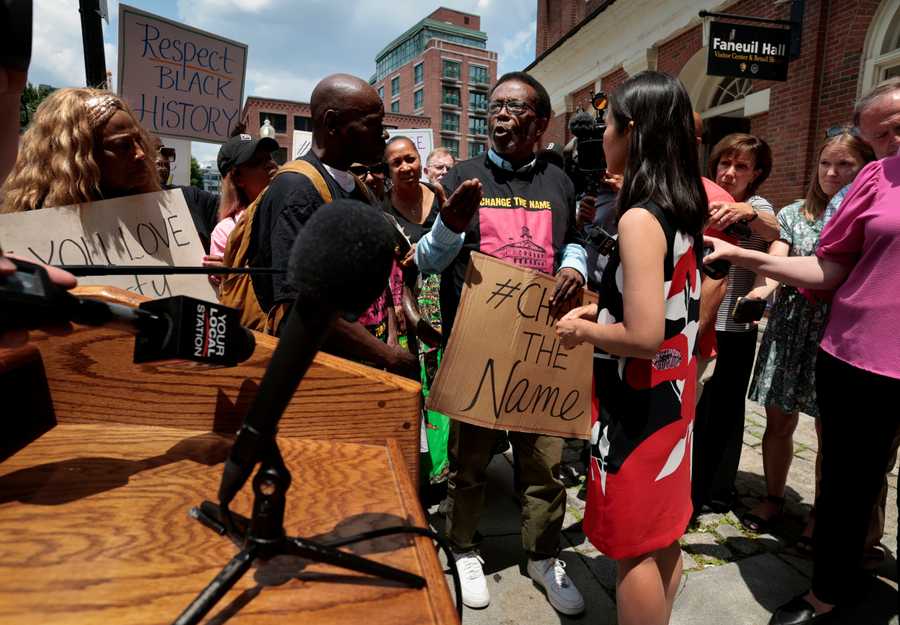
x=543, y=496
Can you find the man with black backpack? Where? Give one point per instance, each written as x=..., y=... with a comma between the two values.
x=347, y=127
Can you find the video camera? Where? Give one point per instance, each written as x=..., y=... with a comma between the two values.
x=588, y=129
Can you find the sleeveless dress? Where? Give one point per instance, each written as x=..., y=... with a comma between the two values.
x=639, y=488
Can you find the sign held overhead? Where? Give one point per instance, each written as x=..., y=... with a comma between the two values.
x=180, y=81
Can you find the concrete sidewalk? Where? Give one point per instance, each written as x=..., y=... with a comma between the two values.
x=731, y=576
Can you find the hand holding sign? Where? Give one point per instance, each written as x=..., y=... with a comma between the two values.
x=504, y=366
x=568, y=283
x=459, y=208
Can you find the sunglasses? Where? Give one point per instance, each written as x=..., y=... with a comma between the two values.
x=515, y=107
x=834, y=131
x=361, y=171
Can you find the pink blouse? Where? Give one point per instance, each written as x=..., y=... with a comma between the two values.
x=864, y=325
x=219, y=238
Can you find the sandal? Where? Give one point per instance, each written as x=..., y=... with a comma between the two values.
x=757, y=524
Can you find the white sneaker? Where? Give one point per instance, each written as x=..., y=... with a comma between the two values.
x=471, y=576
x=550, y=574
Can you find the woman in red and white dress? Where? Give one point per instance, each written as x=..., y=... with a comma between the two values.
x=645, y=328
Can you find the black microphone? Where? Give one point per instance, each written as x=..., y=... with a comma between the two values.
x=177, y=327
x=162, y=270
x=339, y=264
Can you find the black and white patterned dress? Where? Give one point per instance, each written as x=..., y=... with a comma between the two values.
x=639, y=491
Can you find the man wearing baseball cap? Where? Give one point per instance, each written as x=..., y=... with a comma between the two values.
x=240, y=149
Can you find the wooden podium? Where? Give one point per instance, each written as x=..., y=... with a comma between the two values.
x=94, y=524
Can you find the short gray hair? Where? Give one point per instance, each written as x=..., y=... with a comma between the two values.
x=441, y=151
x=883, y=88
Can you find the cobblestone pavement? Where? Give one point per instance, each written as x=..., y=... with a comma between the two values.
x=731, y=576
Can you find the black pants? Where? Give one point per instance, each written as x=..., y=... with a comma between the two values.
x=719, y=420
x=860, y=417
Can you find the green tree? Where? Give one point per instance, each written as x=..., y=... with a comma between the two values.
x=196, y=174
x=31, y=99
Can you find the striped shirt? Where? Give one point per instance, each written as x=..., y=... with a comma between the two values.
x=740, y=280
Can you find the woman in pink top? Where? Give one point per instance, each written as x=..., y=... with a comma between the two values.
x=857, y=373
x=246, y=167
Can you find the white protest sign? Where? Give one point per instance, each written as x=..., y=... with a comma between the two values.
x=147, y=229
x=180, y=81
x=301, y=143
x=181, y=166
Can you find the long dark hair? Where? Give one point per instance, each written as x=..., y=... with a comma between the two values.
x=662, y=163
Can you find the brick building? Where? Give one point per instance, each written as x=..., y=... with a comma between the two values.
x=441, y=69
x=287, y=116
x=847, y=47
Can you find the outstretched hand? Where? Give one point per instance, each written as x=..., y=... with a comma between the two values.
x=721, y=249
x=461, y=206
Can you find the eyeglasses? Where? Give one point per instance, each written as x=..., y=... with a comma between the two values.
x=834, y=131
x=515, y=107
x=361, y=171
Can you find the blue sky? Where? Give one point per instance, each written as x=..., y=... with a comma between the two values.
x=292, y=43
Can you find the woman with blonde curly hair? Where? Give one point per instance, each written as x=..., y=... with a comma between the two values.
x=83, y=145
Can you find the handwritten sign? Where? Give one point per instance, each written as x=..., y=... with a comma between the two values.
x=504, y=367
x=147, y=229
x=180, y=81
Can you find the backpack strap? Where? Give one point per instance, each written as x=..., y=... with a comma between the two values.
x=309, y=170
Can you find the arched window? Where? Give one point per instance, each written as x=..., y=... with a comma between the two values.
x=882, y=52
x=731, y=90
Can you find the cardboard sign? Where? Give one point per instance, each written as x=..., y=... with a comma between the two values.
x=748, y=51
x=180, y=81
x=146, y=229
x=504, y=367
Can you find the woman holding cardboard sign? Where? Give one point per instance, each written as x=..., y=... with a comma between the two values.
x=83, y=145
x=639, y=490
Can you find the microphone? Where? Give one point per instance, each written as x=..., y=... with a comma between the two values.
x=177, y=327
x=339, y=264
x=161, y=270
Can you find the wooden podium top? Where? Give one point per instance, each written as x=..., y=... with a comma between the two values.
x=94, y=528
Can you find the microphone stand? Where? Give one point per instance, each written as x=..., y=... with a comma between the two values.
x=264, y=537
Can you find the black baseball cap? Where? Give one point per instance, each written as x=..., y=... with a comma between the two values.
x=240, y=149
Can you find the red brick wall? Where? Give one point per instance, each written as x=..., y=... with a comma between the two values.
x=848, y=23
x=555, y=18
x=582, y=98
x=673, y=54
x=821, y=89
x=613, y=80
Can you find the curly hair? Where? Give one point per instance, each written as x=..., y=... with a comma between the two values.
x=56, y=165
